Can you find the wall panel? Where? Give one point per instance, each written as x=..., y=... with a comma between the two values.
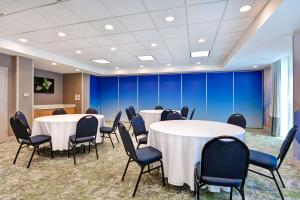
x=127, y=94
x=170, y=91
x=109, y=97
x=147, y=92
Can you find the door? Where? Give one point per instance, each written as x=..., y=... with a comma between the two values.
x=3, y=103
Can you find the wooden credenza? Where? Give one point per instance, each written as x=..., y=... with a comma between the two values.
x=46, y=110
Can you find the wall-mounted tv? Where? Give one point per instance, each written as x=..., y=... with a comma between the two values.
x=43, y=85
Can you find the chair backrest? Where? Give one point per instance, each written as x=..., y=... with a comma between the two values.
x=164, y=114
x=173, y=116
x=128, y=113
x=23, y=119
x=238, y=120
x=127, y=142
x=117, y=120
x=132, y=110
x=19, y=129
x=184, y=111
x=138, y=125
x=225, y=157
x=92, y=111
x=192, y=114
x=286, y=144
x=158, y=108
x=87, y=126
x=59, y=111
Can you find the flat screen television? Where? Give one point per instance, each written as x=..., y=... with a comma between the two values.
x=43, y=85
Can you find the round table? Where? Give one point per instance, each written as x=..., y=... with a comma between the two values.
x=60, y=127
x=181, y=143
x=151, y=116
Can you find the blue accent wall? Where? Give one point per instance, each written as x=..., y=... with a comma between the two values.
x=147, y=92
x=215, y=96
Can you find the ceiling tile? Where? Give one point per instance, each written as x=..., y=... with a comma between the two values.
x=100, y=41
x=223, y=45
x=124, y=7
x=122, y=38
x=165, y=4
x=159, y=51
x=131, y=47
x=10, y=6
x=235, y=25
x=173, y=32
x=178, y=13
x=195, y=45
x=100, y=26
x=206, y=12
x=175, y=42
x=34, y=3
x=147, y=35
x=90, y=10
x=209, y=28
x=10, y=26
x=159, y=44
x=79, y=30
x=190, y=2
x=137, y=22
x=58, y=14
x=68, y=44
x=229, y=37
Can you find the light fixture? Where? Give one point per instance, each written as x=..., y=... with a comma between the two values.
x=109, y=27
x=77, y=70
x=53, y=63
x=101, y=61
x=23, y=40
x=201, y=40
x=117, y=68
x=255, y=66
x=245, y=8
x=78, y=52
x=153, y=45
x=61, y=34
x=145, y=58
x=113, y=48
x=141, y=66
x=198, y=63
x=195, y=54
x=169, y=65
x=170, y=18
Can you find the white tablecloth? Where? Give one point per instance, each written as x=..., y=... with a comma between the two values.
x=60, y=127
x=181, y=143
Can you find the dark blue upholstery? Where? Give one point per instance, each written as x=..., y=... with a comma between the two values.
x=147, y=155
x=92, y=111
x=81, y=140
x=19, y=129
x=37, y=139
x=106, y=129
x=173, y=116
x=138, y=125
x=263, y=160
x=23, y=119
x=164, y=114
x=222, y=181
x=59, y=111
x=158, y=108
x=238, y=120
x=87, y=127
x=143, y=140
x=287, y=143
x=129, y=115
x=127, y=142
x=132, y=110
x=184, y=111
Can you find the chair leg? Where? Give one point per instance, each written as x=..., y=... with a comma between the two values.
x=198, y=191
x=241, y=191
x=90, y=147
x=111, y=141
x=125, y=169
x=116, y=136
x=102, y=138
x=17, y=153
x=69, y=149
x=73, y=149
x=31, y=156
x=138, y=145
x=96, y=149
x=162, y=173
x=51, y=149
x=277, y=185
x=280, y=178
x=138, y=181
x=230, y=193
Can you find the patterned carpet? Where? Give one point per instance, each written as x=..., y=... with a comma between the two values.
x=100, y=179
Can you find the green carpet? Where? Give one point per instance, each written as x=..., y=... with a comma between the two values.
x=101, y=179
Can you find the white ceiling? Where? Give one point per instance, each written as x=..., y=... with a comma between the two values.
x=137, y=24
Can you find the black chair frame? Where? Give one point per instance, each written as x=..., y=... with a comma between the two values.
x=114, y=128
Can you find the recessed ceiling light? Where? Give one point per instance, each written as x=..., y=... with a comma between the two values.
x=202, y=40
x=53, y=63
x=196, y=54
x=117, y=68
x=109, y=27
x=255, y=66
x=113, y=48
x=141, y=66
x=170, y=18
x=23, y=40
x=101, y=61
x=145, y=58
x=198, y=63
x=245, y=8
x=61, y=34
x=78, y=52
x=169, y=65
x=153, y=45
x=77, y=70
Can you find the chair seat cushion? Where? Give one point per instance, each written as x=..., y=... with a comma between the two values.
x=222, y=181
x=143, y=140
x=38, y=139
x=81, y=139
x=106, y=129
x=148, y=155
x=263, y=160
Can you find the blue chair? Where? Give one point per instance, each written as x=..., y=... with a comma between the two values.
x=184, y=112
x=164, y=114
x=132, y=110
x=192, y=114
x=107, y=131
x=86, y=131
x=92, y=111
x=158, y=108
x=23, y=119
x=143, y=156
x=24, y=138
x=59, y=111
x=238, y=120
x=129, y=116
x=270, y=162
x=174, y=116
x=225, y=163
x=139, y=129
